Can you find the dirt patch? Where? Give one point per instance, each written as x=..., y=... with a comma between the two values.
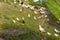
x=1, y=39
x=15, y=31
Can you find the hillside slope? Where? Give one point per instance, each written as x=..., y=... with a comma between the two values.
x=19, y=22
x=54, y=6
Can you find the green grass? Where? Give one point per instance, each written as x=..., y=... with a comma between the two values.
x=54, y=7
x=8, y=12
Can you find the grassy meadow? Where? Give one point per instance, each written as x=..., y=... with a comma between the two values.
x=30, y=30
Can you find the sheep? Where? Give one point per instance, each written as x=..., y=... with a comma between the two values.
x=42, y=8
x=40, y=16
x=35, y=12
x=26, y=6
x=5, y=0
x=19, y=4
x=23, y=22
x=36, y=7
x=26, y=0
x=28, y=15
x=29, y=5
x=41, y=29
x=58, y=22
x=32, y=7
x=22, y=3
x=17, y=19
x=14, y=21
x=35, y=18
x=48, y=19
x=56, y=35
x=14, y=1
x=21, y=10
x=42, y=12
x=48, y=33
x=45, y=16
x=56, y=30
x=22, y=18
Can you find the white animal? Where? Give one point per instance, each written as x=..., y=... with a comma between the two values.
x=17, y=19
x=14, y=1
x=43, y=8
x=29, y=5
x=26, y=0
x=14, y=21
x=57, y=21
x=5, y=0
x=35, y=12
x=21, y=10
x=40, y=16
x=22, y=18
x=47, y=19
x=29, y=15
x=35, y=18
x=20, y=2
x=42, y=12
x=56, y=35
x=32, y=7
x=56, y=30
x=26, y=6
x=41, y=29
x=46, y=16
x=23, y=5
x=48, y=33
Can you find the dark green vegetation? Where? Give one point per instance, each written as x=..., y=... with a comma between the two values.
x=30, y=30
x=54, y=7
